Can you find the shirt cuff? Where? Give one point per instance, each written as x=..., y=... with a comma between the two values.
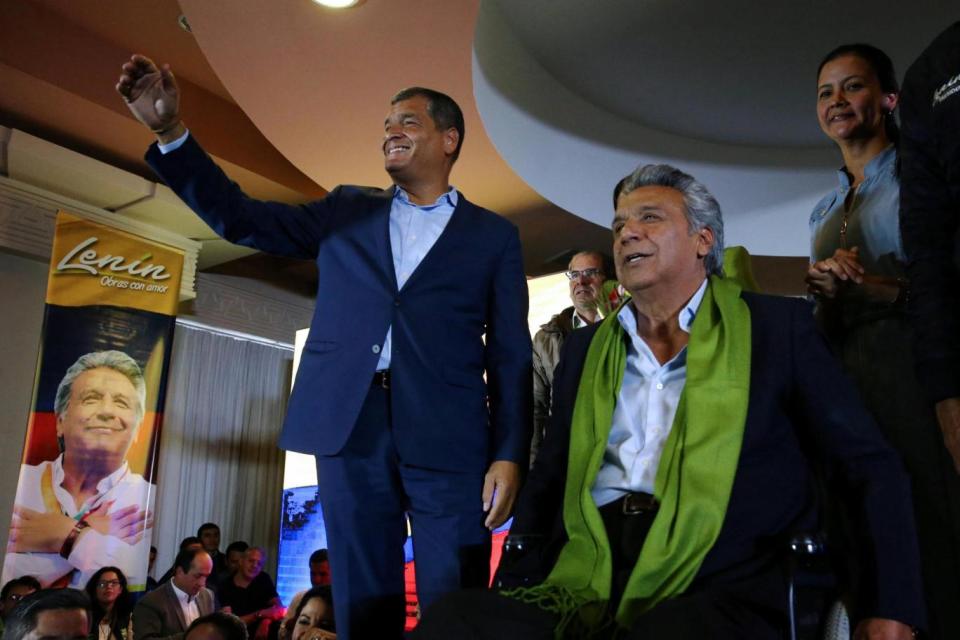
x=173, y=146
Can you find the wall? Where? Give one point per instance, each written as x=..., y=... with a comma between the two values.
x=23, y=283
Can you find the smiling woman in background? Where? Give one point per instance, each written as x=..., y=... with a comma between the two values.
x=857, y=277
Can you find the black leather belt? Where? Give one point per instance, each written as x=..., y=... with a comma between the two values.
x=636, y=503
x=381, y=379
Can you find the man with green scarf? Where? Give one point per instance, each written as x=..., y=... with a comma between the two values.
x=679, y=457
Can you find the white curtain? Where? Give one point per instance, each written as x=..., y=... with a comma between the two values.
x=219, y=460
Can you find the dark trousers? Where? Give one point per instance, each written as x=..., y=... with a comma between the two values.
x=366, y=491
x=751, y=608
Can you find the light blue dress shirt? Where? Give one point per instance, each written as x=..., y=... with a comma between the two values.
x=414, y=229
x=873, y=224
x=646, y=405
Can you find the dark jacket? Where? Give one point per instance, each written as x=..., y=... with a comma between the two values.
x=802, y=409
x=930, y=210
x=460, y=315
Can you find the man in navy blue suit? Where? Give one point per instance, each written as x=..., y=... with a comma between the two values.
x=390, y=396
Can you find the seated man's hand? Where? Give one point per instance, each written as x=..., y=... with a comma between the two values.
x=882, y=629
x=38, y=531
x=263, y=630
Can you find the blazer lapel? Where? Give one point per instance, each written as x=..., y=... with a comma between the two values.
x=457, y=221
x=381, y=234
x=174, y=603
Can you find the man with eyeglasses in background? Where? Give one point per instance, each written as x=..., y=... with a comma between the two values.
x=586, y=275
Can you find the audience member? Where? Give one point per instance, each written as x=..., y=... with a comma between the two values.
x=167, y=611
x=680, y=449
x=251, y=594
x=190, y=542
x=111, y=605
x=857, y=276
x=234, y=558
x=209, y=534
x=586, y=275
x=319, y=577
x=50, y=614
x=217, y=626
x=313, y=616
x=13, y=592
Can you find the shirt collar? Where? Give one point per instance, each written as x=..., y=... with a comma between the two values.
x=105, y=485
x=450, y=197
x=628, y=315
x=578, y=322
x=876, y=166
x=181, y=595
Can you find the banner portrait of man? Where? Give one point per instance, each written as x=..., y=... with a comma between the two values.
x=86, y=508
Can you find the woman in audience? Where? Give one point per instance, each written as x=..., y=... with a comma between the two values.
x=314, y=618
x=857, y=277
x=112, y=605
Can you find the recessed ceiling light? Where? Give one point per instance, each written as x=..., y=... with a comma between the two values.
x=339, y=4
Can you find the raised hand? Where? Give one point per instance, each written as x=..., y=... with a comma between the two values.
x=152, y=95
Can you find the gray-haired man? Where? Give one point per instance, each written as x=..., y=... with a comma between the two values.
x=86, y=509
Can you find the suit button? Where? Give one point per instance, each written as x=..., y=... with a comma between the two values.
x=376, y=348
x=396, y=302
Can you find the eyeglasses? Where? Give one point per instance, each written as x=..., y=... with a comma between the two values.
x=17, y=597
x=586, y=273
x=103, y=584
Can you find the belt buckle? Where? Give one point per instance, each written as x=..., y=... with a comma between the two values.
x=637, y=503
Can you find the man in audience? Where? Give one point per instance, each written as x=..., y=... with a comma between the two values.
x=209, y=534
x=586, y=275
x=679, y=457
x=217, y=626
x=167, y=611
x=319, y=577
x=251, y=594
x=233, y=558
x=190, y=542
x=86, y=508
x=13, y=592
x=52, y=614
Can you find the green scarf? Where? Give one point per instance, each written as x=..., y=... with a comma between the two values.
x=694, y=477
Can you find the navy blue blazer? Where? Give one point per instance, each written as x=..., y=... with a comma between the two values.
x=460, y=315
x=803, y=412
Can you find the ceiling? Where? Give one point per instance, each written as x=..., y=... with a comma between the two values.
x=561, y=98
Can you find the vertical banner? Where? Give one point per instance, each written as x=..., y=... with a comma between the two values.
x=87, y=479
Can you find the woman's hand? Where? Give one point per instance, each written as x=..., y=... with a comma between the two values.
x=316, y=633
x=825, y=277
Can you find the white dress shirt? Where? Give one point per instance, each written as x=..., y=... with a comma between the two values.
x=188, y=604
x=646, y=405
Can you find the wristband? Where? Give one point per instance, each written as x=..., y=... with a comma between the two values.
x=72, y=538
